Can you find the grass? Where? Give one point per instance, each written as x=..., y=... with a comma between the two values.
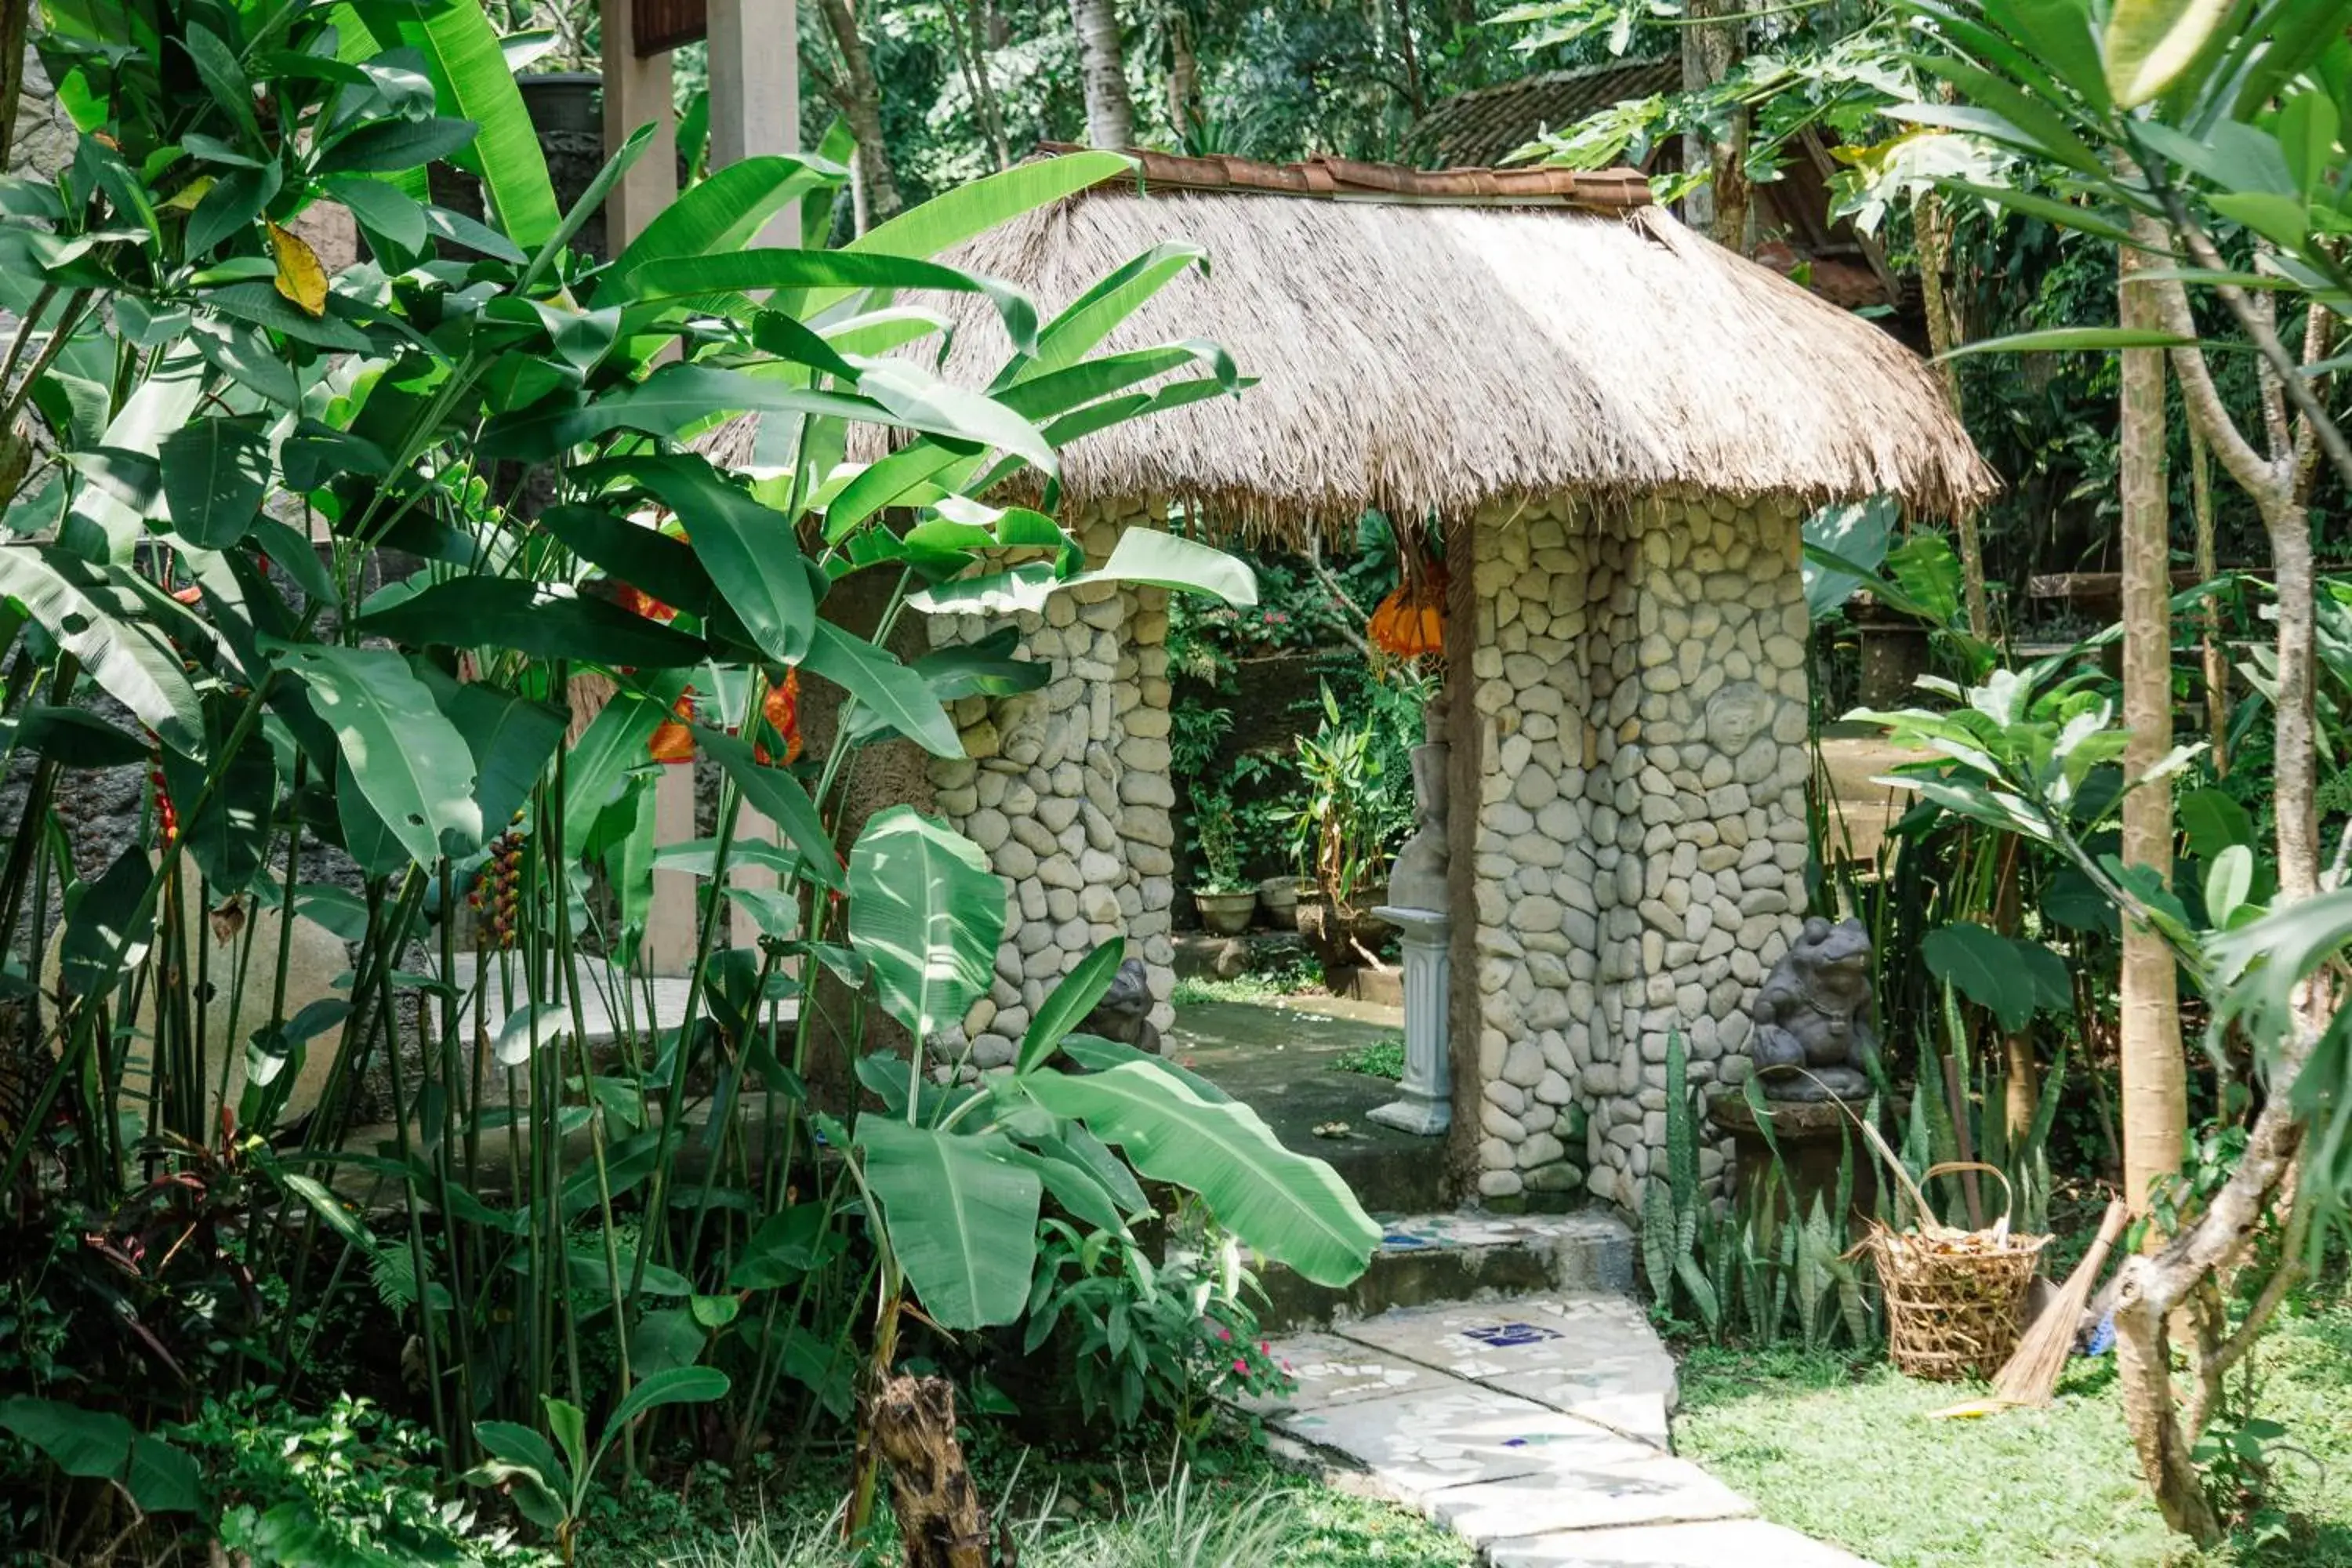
x=1381, y=1058
x=1845, y=1451
x=1296, y=977
x=1236, y=1509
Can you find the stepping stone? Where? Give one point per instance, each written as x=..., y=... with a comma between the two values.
x=1334, y=1370
x=1579, y=1491
x=1423, y=1443
x=1583, y=1353
x=1730, y=1544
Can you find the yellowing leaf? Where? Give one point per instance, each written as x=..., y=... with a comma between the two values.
x=2150, y=42
x=300, y=277
x=1970, y=1409
x=189, y=195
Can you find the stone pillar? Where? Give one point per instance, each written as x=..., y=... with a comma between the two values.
x=1425, y=1102
x=1640, y=838
x=1534, y=577
x=1705, y=796
x=1066, y=788
x=636, y=92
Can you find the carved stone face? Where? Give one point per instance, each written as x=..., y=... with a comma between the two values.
x=1737, y=715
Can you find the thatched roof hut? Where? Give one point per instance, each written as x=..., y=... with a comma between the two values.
x=1430, y=343
x=1617, y=429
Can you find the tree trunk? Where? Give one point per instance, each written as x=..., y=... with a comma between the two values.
x=859, y=97
x=972, y=56
x=1110, y=115
x=1712, y=47
x=1933, y=225
x=14, y=16
x=1183, y=78
x=2155, y=1072
x=940, y=1520
x=2177, y=1288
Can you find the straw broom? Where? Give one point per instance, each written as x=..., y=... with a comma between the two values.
x=2031, y=1376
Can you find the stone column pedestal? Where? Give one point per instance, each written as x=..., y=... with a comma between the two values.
x=1424, y=1106
x=1812, y=1136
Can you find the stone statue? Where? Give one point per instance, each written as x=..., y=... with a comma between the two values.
x=1417, y=879
x=1736, y=716
x=1814, y=1012
x=1125, y=1011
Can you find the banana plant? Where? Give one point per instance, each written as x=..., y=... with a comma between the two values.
x=959, y=1173
x=244, y=446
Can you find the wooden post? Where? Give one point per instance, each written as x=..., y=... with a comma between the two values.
x=636, y=92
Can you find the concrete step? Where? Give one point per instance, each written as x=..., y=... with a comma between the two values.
x=1425, y=1259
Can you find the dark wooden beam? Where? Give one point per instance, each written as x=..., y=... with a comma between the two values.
x=664, y=25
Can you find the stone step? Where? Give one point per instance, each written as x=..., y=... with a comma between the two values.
x=1462, y=1258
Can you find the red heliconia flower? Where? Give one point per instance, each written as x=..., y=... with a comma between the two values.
x=636, y=601
x=674, y=741
x=783, y=711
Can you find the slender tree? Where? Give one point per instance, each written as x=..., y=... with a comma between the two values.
x=2155, y=1072
x=1714, y=43
x=1110, y=114
x=855, y=92
x=2179, y=1285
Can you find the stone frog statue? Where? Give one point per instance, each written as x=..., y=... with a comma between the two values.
x=1814, y=1012
x=1125, y=1011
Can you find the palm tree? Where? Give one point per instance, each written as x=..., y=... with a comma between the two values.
x=1110, y=114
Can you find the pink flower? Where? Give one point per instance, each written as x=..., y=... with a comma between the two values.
x=1264, y=1348
x=1242, y=1367
x=1223, y=1333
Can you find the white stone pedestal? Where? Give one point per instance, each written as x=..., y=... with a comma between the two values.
x=1425, y=1105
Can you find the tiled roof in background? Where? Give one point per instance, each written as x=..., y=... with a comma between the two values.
x=1488, y=125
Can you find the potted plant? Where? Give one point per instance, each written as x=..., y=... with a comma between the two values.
x=1278, y=897
x=1227, y=901
x=1336, y=834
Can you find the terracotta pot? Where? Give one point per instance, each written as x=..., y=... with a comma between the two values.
x=1226, y=914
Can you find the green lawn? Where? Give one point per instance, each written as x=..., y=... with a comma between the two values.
x=1849, y=1453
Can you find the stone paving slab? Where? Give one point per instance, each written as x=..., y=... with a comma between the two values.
x=1426, y=1441
x=1335, y=1371
x=1583, y=1354
x=1581, y=1492
x=1727, y=1543
x=1536, y=1427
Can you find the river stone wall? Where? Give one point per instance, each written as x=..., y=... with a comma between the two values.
x=1066, y=790
x=1639, y=684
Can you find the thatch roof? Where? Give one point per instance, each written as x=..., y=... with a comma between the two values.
x=1421, y=352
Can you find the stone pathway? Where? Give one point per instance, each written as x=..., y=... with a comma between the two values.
x=1536, y=1427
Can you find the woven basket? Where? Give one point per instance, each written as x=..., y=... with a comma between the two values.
x=1955, y=1299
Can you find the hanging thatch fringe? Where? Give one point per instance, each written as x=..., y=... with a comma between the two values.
x=1433, y=359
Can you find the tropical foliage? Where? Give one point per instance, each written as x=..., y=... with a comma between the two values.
x=398, y=582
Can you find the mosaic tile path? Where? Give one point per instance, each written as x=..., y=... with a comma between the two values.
x=1536, y=1427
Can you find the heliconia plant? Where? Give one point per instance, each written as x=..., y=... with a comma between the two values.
x=338, y=554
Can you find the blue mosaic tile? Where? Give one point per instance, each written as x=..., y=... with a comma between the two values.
x=1510, y=1336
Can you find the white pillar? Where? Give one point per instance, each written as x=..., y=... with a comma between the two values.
x=670, y=923
x=635, y=91
x=1425, y=1105
x=755, y=98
